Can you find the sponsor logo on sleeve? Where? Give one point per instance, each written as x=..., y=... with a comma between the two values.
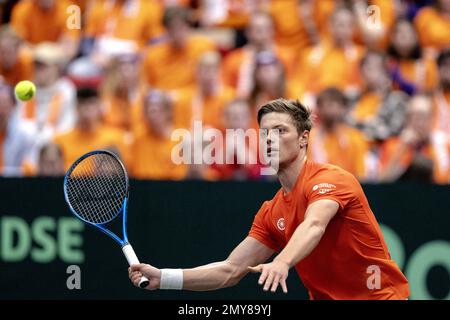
x=323, y=188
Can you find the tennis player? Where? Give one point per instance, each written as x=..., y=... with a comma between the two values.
x=319, y=222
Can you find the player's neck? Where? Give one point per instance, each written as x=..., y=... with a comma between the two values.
x=288, y=175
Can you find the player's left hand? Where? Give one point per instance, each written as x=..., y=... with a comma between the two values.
x=272, y=274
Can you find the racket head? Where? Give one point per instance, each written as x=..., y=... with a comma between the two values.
x=96, y=187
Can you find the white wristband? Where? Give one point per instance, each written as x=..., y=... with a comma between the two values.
x=171, y=279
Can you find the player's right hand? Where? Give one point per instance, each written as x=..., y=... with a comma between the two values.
x=136, y=271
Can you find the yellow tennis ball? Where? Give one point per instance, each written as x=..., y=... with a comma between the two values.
x=25, y=90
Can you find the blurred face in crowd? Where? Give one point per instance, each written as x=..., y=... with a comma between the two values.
x=178, y=31
x=128, y=73
x=158, y=115
x=46, y=4
x=374, y=72
x=419, y=117
x=342, y=26
x=89, y=113
x=269, y=76
x=51, y=162
x=282, y=138
x=444, y=5
x=331, y=112
x=237, y=115
x=444, y=74
x=9, y=51
x=404, y=38
x=45, y=74
x=6, y=107
x=260, y=30
x=208, y=72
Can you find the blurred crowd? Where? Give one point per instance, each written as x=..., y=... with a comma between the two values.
x=123, y=74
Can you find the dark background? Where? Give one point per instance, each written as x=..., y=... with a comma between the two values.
x=186, y=224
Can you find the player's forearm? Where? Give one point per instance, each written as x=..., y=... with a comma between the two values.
x=303, y=241
x=212, y=276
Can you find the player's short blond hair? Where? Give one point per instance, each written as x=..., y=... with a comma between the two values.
x=300, y=114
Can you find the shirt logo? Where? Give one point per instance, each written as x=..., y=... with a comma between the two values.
x=280, y=224
x=324, y=187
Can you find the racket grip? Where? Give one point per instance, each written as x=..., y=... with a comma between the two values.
x=133, y=259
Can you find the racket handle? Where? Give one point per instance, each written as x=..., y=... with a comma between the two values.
x=133, y=259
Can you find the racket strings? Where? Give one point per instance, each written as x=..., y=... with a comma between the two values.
x=97, y=187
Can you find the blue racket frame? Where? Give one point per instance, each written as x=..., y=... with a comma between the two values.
x=122, y=211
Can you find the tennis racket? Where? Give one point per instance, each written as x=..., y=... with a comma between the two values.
x=96, y=190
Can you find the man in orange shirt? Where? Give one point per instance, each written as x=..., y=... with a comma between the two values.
x=122, y=94
x=16, y=63
x=332, y=140
x=319, y=221
x=239, y=65
x=89, y=133
x=171, y=65
x=206, y=100
x=151, y=151
x=46, y=20
x=334, y=62
x=136, y=21
x=432, y=24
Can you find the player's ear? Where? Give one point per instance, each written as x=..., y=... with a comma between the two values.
x=303, y=139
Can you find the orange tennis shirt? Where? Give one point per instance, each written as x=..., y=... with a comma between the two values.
x=340, y=267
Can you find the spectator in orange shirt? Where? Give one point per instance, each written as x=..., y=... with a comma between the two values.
x=433, y=25
x=16, y=62
x=332, y=140
x=419, y=153
x=171, y=65
x=45, y=20
x=441, y=118
x=89, y=133
x=206, y=100
x=411, y=71
x=123, y=94
x=123, y=23
x=375, y=20
x=296, y=27
x=379, y=112
x=151, y=151
x=333, y=63
x=269, y=81
x=239, y=65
